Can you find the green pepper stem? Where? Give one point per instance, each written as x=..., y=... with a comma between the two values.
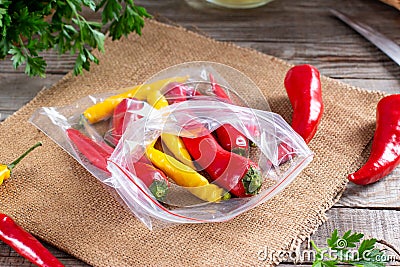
x=15, y=162
x=252, y=181
x=159, y=189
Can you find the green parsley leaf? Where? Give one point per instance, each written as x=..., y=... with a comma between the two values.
x=26, y=30
x=18, y=57
x=365, y=256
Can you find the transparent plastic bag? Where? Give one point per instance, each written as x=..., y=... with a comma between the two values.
x=148, y=168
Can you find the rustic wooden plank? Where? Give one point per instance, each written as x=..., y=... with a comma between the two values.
x=8, y=257
x=18, y=89
x=388, y=86
x=379, y=224
x=22, y=262
x=342, y=61
x=56, y=64
x=282, y=20
x=384, y=194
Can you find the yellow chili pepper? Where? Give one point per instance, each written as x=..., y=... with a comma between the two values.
x=173, y=142
x=185, y=176
x=5, y=170
x=104, y=110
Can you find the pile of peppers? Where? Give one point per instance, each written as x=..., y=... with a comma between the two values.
x=231, y=147
x=230, y=173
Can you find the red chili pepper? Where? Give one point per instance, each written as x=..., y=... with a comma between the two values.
x=228, y=136
x=25, y=244
x=303, y=87
x=232, y=140
x=106, y=147
x=218, y=91
x=152, y=177
x=96, y=154
x=233, y=172
x=121, y=115
x=175, y=92
x=385, y=150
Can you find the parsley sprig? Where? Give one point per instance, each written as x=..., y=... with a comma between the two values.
x=342, y=250
x=28, y=27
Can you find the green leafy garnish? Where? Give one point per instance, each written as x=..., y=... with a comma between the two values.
x=342, y=250
x=30, y=27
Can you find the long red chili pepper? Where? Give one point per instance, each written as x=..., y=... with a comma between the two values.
x=153, y=178
x=121, y=115
x=218, y=91
x=303, y=87
x=96, y=154
x=385, y=150
x=176, y=92
x=25, y=244
x=228, y=137
x=233, y=172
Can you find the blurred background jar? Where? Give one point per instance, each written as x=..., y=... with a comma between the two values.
x=234, y=3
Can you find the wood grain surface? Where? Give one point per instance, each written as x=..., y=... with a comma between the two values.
x=300, y=31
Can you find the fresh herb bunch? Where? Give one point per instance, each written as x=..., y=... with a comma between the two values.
x=28, y=27
x=342, y=250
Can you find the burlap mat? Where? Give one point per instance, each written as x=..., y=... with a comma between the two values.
x=56, y=199
x=394, y=3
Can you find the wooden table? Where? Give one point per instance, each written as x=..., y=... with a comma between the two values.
x=300, y=31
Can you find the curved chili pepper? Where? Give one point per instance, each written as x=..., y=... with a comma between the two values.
x=385, y=150
x=173, y=142
x=25, y=244
x=104, y=109
x=6, y=170
x=303, y=87
x=185, y=176
x=238, y=174
x=95, y=153
x=154, y=179
x=228, y=137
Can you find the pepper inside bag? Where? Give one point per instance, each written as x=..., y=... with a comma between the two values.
x=184, y=147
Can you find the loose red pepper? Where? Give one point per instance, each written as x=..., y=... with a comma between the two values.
x=233, y=172
x=303, y=87
x=153, y=178
x=122, y=114
x=25, y=244
x=385, y=150
x=228, y=137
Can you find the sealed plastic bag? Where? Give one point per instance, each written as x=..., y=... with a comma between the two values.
x=191, y=145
